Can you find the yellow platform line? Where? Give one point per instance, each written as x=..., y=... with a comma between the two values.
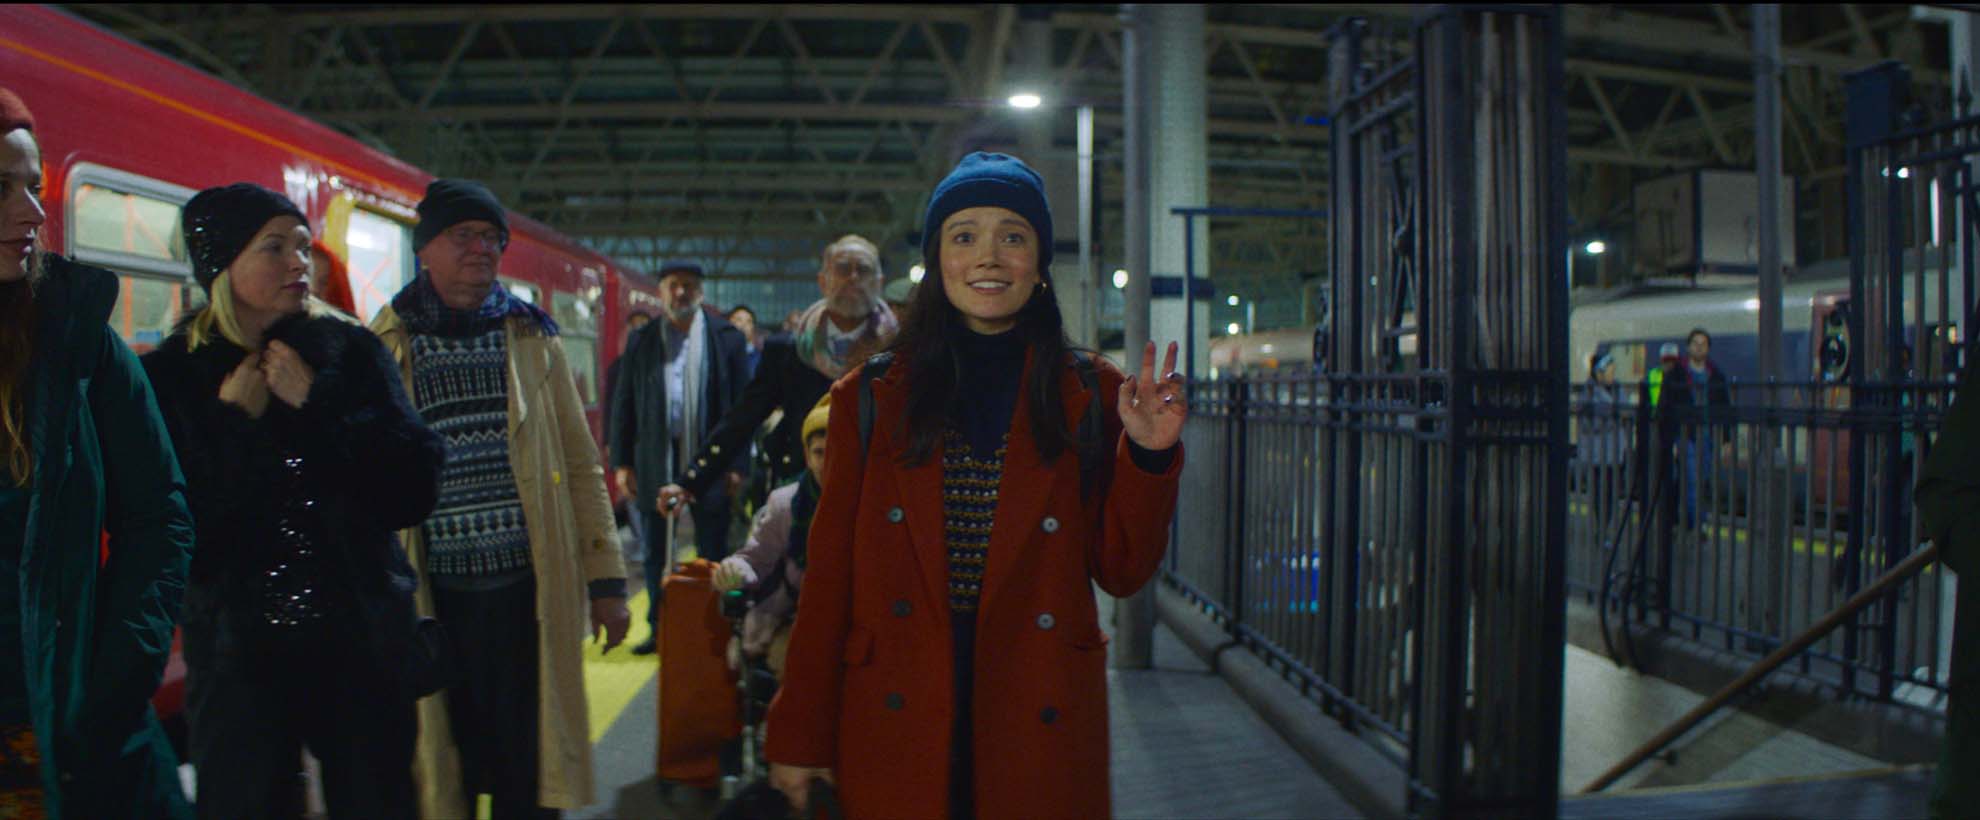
x=612, y=680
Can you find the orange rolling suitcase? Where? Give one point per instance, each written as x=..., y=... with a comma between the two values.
x=698, y=710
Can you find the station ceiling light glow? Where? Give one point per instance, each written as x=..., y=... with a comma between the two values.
x=1025, y=101
x=1120, y=280
x=1231, y=329
x=1233, y=301
x=1596, y=248
x=915, y=273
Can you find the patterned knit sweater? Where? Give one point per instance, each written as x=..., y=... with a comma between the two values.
x=460, y=387
x=969, y=506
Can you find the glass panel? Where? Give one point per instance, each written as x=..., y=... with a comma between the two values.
x=120, y=222
x=583, y=356
x=380, y=262
x=522, y=290
x=146, y=309
x=578, y=319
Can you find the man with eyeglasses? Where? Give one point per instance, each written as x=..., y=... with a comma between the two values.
x=523, y=533
x=681, y=375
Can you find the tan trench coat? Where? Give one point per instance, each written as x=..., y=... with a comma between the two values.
x=573, y=540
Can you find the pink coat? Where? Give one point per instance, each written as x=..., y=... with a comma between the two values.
x=769, y=541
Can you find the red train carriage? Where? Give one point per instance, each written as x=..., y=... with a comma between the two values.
x=129, y=135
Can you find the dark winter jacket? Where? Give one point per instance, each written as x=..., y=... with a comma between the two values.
x=368, y=462
x=782, y=381
x=638, y=436
x=97, y=628
x=1678, y=405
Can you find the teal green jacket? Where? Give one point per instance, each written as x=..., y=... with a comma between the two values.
x=96, y=629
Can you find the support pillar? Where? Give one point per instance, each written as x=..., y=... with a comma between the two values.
x=1177, y=71
x=1167, y=166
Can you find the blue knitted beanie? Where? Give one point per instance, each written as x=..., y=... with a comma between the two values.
x=991, y=180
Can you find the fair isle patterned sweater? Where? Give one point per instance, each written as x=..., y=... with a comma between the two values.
x=460, y=388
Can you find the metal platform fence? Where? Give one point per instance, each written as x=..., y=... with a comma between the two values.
x=1739, y=522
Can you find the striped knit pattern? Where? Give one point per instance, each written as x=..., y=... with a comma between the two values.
x=969, y=505
x=460, y=389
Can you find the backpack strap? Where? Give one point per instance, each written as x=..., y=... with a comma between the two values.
x=1089, y=426
x=876, y=367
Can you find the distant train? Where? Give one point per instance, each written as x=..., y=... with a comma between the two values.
x=1816, y=347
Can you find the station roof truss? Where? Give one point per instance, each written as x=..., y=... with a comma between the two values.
x=751, y=134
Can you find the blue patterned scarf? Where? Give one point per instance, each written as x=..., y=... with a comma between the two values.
x=420, y=307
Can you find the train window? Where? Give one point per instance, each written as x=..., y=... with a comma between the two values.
x=378, y=252
x=146, y=308
x=520, y=289
x=129, y=224
x=577, y=315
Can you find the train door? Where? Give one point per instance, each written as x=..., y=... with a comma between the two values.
x=1833, y=351
x=129, y=224
x=376, y=247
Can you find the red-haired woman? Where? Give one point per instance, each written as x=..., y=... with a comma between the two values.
x=83, y=641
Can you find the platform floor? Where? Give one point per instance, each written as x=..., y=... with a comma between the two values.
x=1185, y=745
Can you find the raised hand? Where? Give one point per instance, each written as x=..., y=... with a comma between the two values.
x=1152, y=412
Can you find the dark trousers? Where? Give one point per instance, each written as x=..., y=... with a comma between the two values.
x=493, y=712
x=249, y=722
x=711, y=541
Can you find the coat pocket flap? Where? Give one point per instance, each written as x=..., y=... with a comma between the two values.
x=1096, y=640
x=859, y=648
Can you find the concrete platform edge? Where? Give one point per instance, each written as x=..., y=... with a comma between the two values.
x=1362, y=776
x=1889, y=733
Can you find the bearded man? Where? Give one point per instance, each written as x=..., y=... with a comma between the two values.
x=836, y=333
x=680, y=376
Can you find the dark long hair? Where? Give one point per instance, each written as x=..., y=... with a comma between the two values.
x=926, y=345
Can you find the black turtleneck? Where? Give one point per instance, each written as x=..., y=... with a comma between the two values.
x=992, y=366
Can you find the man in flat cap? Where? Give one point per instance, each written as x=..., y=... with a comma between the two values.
x=522, y=545
x=679, y=378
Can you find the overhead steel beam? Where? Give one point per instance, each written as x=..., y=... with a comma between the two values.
x=581, y=12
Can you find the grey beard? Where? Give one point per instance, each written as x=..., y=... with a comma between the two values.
x=682, y=313
x=851, y=307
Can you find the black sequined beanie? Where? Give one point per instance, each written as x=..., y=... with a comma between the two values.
x=220, y=222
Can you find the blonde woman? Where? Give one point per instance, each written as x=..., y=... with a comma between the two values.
x=302, y=457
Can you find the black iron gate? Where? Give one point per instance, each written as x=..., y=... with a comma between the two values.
x=1390, y=532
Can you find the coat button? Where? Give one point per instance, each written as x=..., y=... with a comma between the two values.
x=787, y=459
x=896, y=702
x=1051, y=524
x=1046, y=621
x=715, y=450
x=556, y=477
x=894, y=515
x=1049, y=715
x=701, y=462
x=902, y=608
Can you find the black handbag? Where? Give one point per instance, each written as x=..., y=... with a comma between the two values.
x=433, y=664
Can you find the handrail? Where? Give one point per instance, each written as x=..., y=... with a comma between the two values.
x=1898, y=574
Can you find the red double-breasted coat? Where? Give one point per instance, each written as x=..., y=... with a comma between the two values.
x=869, y=683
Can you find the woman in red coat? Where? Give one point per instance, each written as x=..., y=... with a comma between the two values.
x=947, y=659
